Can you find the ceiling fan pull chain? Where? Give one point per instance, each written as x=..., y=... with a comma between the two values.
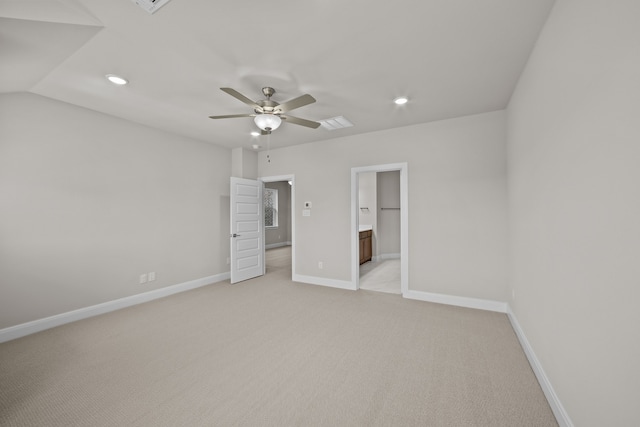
x=269, y=147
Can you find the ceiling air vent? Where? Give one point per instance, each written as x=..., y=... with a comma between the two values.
x=336, y=123
x=150, y=5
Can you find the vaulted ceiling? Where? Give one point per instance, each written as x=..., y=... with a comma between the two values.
x=449, y=57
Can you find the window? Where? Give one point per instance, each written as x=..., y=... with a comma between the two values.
x=270, y=208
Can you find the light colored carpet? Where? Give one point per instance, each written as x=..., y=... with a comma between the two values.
x=270, y=352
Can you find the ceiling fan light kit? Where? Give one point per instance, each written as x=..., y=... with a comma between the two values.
x=268, y=122
x=268, y=114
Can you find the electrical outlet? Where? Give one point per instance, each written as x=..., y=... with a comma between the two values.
x=143, y=278
x=320, y=265
x=152, y=276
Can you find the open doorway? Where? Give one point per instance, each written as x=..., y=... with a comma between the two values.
x=379, y=230
x=379, y=218
x=279, y=224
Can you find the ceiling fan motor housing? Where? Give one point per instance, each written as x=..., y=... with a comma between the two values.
x=266, y=105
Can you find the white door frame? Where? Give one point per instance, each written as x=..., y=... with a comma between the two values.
x=291, y=178
x=404, y=222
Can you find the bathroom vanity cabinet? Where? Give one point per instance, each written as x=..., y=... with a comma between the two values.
x=365, y=246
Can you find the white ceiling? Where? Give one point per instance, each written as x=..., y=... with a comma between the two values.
x=450, y=57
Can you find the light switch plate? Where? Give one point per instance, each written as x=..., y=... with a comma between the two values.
x=306, y=212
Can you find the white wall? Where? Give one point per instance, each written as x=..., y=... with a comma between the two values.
x=574, y=193
x=244, y=163
x=88, y=202
x=457, y=200
x=367, y=198
x=388, y=192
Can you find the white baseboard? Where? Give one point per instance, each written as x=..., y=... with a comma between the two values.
x=333, y=283
x=556, y=406
x=32, y=327
x=277, y=245
x=382, y=257
x=480, y=304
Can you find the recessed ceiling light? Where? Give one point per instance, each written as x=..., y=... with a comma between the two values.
x=255, y=133
x=401, y=100
x=116, y=80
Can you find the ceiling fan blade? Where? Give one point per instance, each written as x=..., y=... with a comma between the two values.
x=241, y=97
x=232, y=116
x=298, y=102
x=301, y=122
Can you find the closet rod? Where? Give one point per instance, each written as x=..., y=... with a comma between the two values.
x=390, y=209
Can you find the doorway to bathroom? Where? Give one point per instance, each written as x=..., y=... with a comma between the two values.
x=379, y=223
x=379, y=231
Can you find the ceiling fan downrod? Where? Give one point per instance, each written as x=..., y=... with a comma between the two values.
x=268, y=91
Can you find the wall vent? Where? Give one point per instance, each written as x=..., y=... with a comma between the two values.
x=334, y=123
x=150, y=5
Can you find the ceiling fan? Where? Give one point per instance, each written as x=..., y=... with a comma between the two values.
x=268, y=114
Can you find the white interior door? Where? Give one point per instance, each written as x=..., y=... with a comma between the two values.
x=247, y=231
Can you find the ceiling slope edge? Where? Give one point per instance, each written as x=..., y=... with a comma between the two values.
x=55, y=11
